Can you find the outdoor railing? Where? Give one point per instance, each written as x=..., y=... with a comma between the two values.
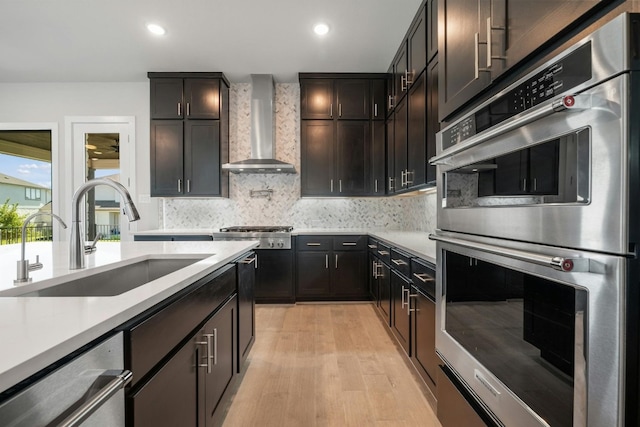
x=40, y=233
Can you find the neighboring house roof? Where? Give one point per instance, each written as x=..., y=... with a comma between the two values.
x=7, y=179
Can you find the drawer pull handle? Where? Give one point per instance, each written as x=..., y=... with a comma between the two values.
x=249, y=260
x=398, y=262
x=349, y=244
x=372, y=247
x=313, y=244
x=383, y=253
x=424, y=278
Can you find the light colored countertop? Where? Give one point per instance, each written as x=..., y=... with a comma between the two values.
x=38, y=331
x=415, y=242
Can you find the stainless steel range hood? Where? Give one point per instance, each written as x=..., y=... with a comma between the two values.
x=263, y=144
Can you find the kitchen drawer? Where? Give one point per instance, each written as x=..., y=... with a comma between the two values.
x=349, y=243
x=314, y=243
x=372, y=244
x=147, y=342
x=423, y=276
x=401, y=262
x=384, y=252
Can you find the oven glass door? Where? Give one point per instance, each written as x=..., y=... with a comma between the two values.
x=522, y=328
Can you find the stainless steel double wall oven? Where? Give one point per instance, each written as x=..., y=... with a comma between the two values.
x=538, y=233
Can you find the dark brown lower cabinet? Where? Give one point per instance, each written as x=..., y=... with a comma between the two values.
x=454, y=410
x=314, y=276
x=400, y=325
x=274, y=276
x=384, y=291
x=246, y=306
x=423, y=345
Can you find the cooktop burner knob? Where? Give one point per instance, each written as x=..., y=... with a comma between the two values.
x=280, y=244
x=271, y=245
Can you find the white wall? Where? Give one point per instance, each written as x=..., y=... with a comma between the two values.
x=51, y=102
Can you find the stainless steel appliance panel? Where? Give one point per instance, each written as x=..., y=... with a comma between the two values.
x=61, y=394
x=599, y=330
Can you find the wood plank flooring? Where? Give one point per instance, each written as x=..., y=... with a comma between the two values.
x=327, y=365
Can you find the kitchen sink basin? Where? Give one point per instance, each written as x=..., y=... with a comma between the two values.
x=115, y=281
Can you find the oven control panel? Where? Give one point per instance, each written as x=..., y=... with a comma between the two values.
x=565, y=74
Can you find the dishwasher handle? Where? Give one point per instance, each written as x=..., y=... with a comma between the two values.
x=118, y=382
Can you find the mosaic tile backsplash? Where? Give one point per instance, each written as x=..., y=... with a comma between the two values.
x=283, y=205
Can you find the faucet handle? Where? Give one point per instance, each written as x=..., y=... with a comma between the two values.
x=36, y=265
x=89, y=249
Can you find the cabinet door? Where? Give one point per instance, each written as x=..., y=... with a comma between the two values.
x=313, y=274
x=221, y=331
x=390, y=182
x=202, y=158
x=510, y=174
x=170, y=396
x=317, y=158
x=400, y=70
x=424, y=337
x=399, y=316
x=433, y=124
x=461, y=58
x=202, y=98
x=352, y=98
x=246, y=307
x=390, y=102
x=353, y=145
x=378, y=99
x=167, y=166
x=432, y=28
x=316, y=99
x=417, y=46
x=274, y=276
x=400, y=145
x=384, y=290
x=543, y=168
x=166, y=98
x=378, y=158
x=349, y=275
x=532, y=24
x=416, y=134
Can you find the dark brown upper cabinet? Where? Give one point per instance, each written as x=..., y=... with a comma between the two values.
x=483, y=39
x=432, y=29
x=337, y=146
x=417, y=47
x=316, y=99
x=189, y=138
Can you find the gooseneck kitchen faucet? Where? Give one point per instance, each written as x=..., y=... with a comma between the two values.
x=77, y=247
x=24, y=267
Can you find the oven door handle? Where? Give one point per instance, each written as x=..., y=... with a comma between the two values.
x=567, y=265
x=564, y=103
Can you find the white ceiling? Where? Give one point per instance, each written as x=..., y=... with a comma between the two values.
x=106, y=41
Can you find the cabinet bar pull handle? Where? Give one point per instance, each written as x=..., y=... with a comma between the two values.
x=332, y=186
x=383, y=253
x=408, y=80
x=340, y=185
x=339, y=110
x=424, y=278
x=408, y=291
x=535, y=184
x=375, y=110
x=390, y=102
x=476, y=51
x=313, y=244
x=409, y=182
x=179, y=110
x=391, y=184
x=375, y=186
x=188, y=186
x=402, y=296
x=398, y=262
x=372, y=246
x=349, y=244
x=179, y=186
x=490, y=55
x=373, y=269
x=330, y=110
x=524, y=184
x=188, y=109
x=403, y=83
x=215, y=346
x=336, y=261
x=326, y=261
x=248, y=260
x=256, y=264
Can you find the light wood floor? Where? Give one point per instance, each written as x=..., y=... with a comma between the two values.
x=327, y=365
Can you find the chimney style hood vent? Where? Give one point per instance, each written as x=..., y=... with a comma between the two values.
x=263, y=130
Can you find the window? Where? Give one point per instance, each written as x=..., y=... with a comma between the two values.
x=32, y=193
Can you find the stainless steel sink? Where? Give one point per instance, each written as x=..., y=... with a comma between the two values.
x=115, y=281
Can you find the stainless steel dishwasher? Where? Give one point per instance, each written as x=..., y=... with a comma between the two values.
x=87, y=389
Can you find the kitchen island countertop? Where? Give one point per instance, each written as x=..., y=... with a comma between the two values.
x=38, y=331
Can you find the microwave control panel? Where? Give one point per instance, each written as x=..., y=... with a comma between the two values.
x=565, y=74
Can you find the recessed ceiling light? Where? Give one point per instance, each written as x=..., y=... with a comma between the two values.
x=90, y=147
x=321, y=29
x=97, y=152
x=156, y=29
